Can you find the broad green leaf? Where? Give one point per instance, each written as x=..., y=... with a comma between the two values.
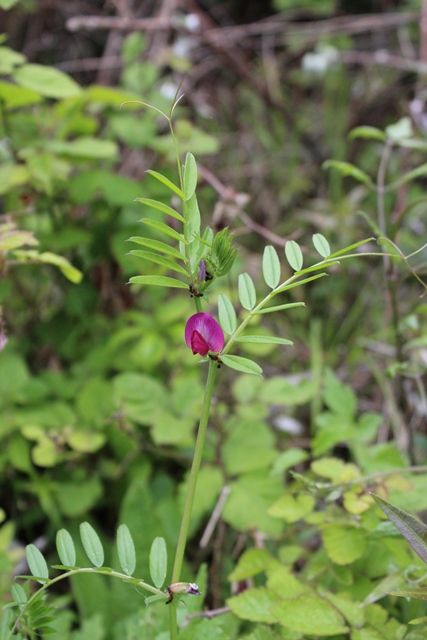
x=18, y=594
x=286, y=287
x=370, y=133
x=347, y=169
x=321, y=245
x=255, y=605
x=47, y=81
x=37, y=563
x=241, y=364
x=271, y=267
x=126, y=550
x=92, y=544
x=155, y=257
x=65, y=548
x=14, y=97
x=252, y=562
x=350, y=248
x=227, y=314
x=164, y=228
x=190, y=176
x=294, y=255
x=247, y=293
x=167, y=183
x=158, y=246
x=311, y=615
x=158, y=561
x=90, y=148
x=155, y=204
x=263, y=340
x=192, y=217
x=159, y=281
x=292, y=508
x=280, y=307
x=344, y=544
x=412, y=529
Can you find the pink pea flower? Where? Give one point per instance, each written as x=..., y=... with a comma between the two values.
x=203, y=334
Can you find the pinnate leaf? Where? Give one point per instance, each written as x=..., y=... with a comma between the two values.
x=157, y=259
x=92, y=544
x=36, y=563
x=155, y=204
x=126, y=550
x=262, y=340
x=247, y=293
x=159, y=281
x=65, y=548
x=271, y=267
x=158, y=561
x=158, y=246
x=190, y=176
x=164, y=228
x=170, y=185
x=241, y=364
x=321, y=245
x=227, y=314
x=294, y=255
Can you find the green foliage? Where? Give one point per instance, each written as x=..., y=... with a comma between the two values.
x=99, y=397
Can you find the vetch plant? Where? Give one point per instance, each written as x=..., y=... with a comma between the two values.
x=197, y=259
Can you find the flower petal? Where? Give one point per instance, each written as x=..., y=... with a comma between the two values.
x=199, y=344
x=208, y=329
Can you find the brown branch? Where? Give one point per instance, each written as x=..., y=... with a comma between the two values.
x=337, y=25
x=383, y=58
x=102, y=23
x=206, y=614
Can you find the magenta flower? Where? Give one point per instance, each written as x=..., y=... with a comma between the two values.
x=203, y=334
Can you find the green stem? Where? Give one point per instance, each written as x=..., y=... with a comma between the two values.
x=102, y=571
x=191, y=489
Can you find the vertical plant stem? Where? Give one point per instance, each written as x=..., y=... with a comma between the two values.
x=198, y=453
x=191, y=489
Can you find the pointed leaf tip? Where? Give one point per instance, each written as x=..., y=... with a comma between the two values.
x=412, y=529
